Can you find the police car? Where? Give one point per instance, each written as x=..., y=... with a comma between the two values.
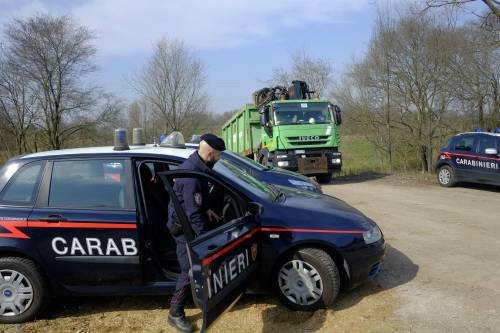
x=470, y=157
x=92, y=221
x=267, y=174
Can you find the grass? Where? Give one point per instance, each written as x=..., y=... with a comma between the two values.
x=358, y=156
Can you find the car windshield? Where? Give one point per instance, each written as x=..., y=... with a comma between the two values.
x=302, y=113
x=228, y=170
x=233, y=157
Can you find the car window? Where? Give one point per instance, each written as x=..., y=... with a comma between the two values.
x=243, y=179
x=22, y=187
x=91, y=184
x=230, y=156
x=463, y=143
x=486, y=141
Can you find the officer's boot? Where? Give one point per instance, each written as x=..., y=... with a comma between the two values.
x=177, y=319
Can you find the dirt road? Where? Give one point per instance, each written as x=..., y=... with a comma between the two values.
x=441, y=274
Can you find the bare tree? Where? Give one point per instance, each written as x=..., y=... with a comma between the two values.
x=401, y=91
x=172, y=83
x=16, y=103
x=317, y=72
x=55, y=55
x=493, y=5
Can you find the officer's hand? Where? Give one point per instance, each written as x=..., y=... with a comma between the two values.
x=212, y=217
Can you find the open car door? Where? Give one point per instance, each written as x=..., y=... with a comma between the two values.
x=223, y=260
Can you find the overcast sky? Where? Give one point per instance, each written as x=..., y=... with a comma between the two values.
x=240, y=42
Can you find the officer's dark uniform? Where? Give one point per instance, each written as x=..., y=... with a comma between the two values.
x=192, y=194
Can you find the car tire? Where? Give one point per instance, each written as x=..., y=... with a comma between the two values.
x=307, y=280
x=264, y=160
x=324, y=178
x=446, y=176
x=26, y=294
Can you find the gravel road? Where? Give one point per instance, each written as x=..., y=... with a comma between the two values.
x=441, y=274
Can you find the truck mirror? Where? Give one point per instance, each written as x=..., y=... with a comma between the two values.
x=264, y=118
x=337, y=115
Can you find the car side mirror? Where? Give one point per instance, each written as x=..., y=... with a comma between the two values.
x=491, y=151
x=254, y=209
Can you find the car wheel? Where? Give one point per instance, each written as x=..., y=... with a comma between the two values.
x=446, y=176
x=324, y=178
x=23, y=290
x=307, y=280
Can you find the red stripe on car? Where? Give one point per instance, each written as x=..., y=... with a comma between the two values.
x=13, y=225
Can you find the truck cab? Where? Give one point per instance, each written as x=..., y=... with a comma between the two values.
x=302, y=136
x=291, y=128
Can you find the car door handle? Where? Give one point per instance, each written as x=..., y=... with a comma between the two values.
x=53, y=218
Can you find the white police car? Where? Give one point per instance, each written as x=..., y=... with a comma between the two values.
x=470, y=157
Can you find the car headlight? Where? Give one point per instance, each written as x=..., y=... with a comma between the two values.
x=336, y=160
x=282, y=163
x=373, y=235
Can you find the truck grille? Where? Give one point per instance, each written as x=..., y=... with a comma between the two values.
x=308, y=140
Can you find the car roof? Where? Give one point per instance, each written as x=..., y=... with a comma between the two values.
x=109, y=150
x=479, y=133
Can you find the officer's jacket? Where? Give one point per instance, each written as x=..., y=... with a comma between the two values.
x=192, y=194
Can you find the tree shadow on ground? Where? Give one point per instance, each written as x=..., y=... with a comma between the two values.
x=397, y=269
x=359, y=178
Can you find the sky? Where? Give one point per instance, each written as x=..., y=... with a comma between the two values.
x=240, y=42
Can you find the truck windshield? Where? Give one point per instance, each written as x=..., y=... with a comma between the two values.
x=301, y=113
x=243, y=179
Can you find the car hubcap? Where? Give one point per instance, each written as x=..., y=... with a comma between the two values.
x=444, y=176
x=300, y=282
x=16, y=293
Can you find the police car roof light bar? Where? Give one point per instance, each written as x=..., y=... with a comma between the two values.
x=479, y=129
x=121, y=142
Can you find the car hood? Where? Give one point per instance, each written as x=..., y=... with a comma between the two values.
x=301, y=209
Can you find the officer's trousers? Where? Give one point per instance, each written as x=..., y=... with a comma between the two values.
x=182, y=287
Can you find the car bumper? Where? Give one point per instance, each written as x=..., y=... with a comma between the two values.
x=364, y=263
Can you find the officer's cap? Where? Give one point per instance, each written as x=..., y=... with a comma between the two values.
x=214, y=141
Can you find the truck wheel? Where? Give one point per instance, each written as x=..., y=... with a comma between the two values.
x=265, y=161
x=446, y=176
x=307, y=280
x=324, y=178
x=23, y=290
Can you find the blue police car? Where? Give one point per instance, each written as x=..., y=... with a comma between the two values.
x=470, y=157
x=92, y=221
x=271, y=175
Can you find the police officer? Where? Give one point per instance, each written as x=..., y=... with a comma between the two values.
x=192, y=193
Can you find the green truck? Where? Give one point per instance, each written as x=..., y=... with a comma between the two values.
x=290, y=128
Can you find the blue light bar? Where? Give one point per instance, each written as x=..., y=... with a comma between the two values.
x=162, y=137
x=496, y=130
x=480, y=129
